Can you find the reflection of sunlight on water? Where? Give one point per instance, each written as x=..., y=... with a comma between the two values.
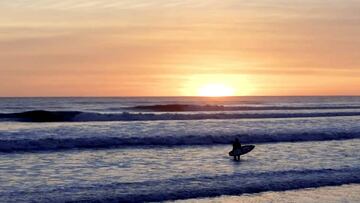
x=346, y=193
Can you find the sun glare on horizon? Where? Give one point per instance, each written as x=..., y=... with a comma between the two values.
x=217, y=85
x=216, y=90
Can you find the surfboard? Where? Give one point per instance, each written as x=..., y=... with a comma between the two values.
x=244, y=150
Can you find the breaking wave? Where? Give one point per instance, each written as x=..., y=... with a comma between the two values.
x=98, y=142
x=195, y=187
x=235, y=184
x=77, y=116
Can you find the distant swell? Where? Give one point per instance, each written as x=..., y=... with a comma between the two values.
x=54, y=144
x=184, y=108
x=75, y=116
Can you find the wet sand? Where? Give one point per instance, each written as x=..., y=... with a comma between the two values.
x=345, y=193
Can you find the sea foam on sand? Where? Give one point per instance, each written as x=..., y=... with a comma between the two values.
x=346, y=193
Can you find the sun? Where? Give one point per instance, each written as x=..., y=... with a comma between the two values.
x=217, y=85
x=216, y=90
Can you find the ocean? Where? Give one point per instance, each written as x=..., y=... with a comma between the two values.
x=155, y=149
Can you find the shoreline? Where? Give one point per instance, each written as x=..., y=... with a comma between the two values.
x=349, y=193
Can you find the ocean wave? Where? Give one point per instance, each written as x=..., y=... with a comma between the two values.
x=40, y=116
x=77, y=116
x=54, y=144
x=184, y=108
x=235, y=184
x=192, y=187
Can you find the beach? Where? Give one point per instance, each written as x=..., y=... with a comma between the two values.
x=344, y=193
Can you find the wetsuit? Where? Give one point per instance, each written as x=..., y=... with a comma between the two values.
x=236, y=146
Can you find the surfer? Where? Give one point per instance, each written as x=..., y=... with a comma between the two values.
x=239, y=150
x=236, y=147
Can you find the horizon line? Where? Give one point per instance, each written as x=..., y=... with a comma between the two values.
x=1, y=97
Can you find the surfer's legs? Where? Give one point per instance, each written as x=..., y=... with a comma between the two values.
x=234, y=158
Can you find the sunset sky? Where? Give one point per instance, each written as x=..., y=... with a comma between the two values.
x=179, y=47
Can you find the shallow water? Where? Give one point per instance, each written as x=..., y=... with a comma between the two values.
x=26, y=176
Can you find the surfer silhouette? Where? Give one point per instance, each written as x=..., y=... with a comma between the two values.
x=239, y=150
x=236, y=147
